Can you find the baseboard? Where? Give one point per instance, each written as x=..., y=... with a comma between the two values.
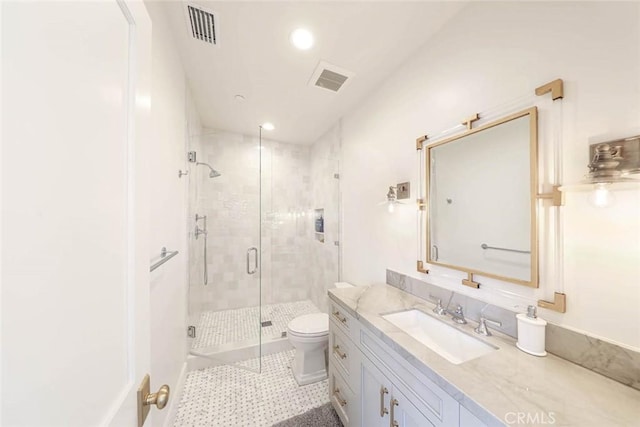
x=176, y=396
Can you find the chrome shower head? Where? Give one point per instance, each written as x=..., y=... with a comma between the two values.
x=214, y=173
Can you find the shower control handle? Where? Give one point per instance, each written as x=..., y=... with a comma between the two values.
x=255, y=261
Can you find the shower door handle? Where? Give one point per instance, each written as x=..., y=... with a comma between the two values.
x=255, y=262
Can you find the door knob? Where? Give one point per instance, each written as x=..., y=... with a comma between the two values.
x=146, y=399
x=160, y=398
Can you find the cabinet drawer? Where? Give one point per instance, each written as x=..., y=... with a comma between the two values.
x=343, y=320
x=345, y=356
x=342, y=398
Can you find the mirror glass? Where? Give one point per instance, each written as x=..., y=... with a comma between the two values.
x=481, y=210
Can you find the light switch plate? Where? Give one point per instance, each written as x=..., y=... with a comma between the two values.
x=403, y=190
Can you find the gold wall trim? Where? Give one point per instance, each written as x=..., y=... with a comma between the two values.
x=420, y=142
x=469, y=281
x=483, y=273
x=555, y=196
x=420, y=267
x=559, y=303
x=556, y=88
x=468, y=122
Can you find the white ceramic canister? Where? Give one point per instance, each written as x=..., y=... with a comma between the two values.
x=531, y=332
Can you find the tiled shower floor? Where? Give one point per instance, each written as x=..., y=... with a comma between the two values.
x=230, y=396
x=216, y=328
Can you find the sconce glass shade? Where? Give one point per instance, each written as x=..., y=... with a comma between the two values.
x=604, y=171
x=392, y=200
x=601, y=196
x=390, y=207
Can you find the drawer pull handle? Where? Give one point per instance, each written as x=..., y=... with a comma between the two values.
x=392, y=422
x=336, y=350
x=383, y=410
x=339, y=317
x=336, y=394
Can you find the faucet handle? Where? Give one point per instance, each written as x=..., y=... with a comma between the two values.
x=482, y=326
x=438, y=309
x=457, y=315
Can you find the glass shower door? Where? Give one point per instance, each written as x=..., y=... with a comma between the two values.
x=225, y=272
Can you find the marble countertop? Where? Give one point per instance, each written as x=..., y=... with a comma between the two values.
x=506, y=384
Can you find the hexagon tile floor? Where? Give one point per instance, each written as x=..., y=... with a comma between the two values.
x=232, y=396
x=228, y=326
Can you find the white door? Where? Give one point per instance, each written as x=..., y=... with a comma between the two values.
x=75, y=272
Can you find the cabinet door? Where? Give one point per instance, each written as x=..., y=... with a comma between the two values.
x=375, y=392
x=467, y=419
x=405, y=414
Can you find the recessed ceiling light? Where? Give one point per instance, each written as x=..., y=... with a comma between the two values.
x=239, y=98
x=302, y=39
x=268, y=126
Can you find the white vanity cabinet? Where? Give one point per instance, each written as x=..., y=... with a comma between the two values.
x=383, y=403
x=420, y=400
x=467, y=419
x=371, y=385
x=344, y=366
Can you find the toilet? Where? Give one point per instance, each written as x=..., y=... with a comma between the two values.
x=309, y=336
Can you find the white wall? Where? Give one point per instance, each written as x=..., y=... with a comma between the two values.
x=490, y=54
x=170, y=105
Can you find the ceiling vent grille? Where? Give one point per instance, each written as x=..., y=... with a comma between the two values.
x=202, y=24
x=331, y=80
x=330, y=77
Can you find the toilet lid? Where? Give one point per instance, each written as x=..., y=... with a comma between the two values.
x=310, y=324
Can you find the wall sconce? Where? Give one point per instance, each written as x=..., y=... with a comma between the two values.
x=400, y=191
x=611, y=162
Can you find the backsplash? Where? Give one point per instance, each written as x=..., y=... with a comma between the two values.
x=472, y=307
x=610, y=360
x=615, y=362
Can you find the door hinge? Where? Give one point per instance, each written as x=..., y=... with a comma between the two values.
x=191, y=331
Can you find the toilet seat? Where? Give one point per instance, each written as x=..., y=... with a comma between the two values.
x=310, y=325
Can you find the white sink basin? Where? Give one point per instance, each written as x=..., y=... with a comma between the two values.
x=449, y=342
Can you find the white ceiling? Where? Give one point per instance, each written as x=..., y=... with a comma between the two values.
x=254, y=58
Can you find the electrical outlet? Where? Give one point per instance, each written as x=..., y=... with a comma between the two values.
x=403, y=190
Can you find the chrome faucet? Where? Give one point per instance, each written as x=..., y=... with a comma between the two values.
x=482, y=326
x=458, y=315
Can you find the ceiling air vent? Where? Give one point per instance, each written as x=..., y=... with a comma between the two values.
x=330, y=77
x=202, y=24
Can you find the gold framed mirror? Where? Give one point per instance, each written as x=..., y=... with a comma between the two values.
x=481, y=200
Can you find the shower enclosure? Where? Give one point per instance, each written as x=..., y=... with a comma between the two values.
x=256, y=256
